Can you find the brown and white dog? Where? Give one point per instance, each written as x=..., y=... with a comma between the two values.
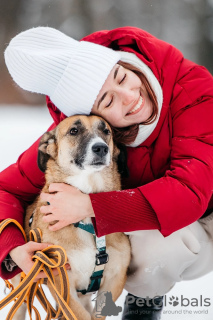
x=80, y=152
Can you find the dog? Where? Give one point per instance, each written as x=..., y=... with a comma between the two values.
x=80, y=152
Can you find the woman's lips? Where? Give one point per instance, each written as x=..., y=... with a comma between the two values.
x=138, y=107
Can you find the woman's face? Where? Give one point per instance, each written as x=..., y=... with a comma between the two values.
x=123, y=99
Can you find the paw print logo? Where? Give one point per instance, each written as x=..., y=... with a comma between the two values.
x=173, y=301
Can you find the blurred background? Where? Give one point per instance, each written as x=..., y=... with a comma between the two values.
x=187, y=24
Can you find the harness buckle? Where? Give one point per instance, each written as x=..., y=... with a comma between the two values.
x=101, y=258
x=100, y=276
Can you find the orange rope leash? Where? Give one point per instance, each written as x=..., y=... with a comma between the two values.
x=27, y=290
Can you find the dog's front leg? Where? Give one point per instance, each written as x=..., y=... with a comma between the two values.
x=78, y=309
x=74, y=302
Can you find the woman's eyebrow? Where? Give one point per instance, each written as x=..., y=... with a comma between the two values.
x=104, y=95
x=116, y=72
x=101, y=99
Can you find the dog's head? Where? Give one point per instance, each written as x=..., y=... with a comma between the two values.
x=80, y=143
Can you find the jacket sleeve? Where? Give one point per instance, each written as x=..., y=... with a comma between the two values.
x=20, y=183
x=182, y=195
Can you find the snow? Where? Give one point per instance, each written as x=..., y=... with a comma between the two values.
x=19, y=128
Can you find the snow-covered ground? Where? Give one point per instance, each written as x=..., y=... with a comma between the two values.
x=19, y=128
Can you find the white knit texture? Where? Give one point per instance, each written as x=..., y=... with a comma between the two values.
x=71, y=73
x=145, y=130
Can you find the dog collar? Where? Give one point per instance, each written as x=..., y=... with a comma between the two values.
x=101, y=258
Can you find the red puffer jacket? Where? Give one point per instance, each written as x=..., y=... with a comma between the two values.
x=171, y=173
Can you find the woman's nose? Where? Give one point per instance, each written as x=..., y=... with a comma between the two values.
x=127, y=96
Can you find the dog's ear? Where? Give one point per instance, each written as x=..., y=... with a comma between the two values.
x=47, y=148
x=120, y=155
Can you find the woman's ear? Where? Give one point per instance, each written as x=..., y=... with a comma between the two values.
x=47, y=148
x=120, y=155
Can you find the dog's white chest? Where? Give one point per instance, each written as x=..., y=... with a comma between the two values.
x=81, y=254
x=82, y=261
x=87, y=182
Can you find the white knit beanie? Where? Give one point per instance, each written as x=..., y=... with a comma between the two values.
x=70, y=72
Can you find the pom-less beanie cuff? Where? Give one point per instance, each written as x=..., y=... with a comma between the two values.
x=71, y=73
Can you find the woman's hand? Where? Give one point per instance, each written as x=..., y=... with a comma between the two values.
x=67, y=205
x=22, y=256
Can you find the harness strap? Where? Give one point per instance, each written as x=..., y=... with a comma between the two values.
x=45, y=260
x=100, y=261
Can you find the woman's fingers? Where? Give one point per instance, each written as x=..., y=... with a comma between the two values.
x=46, y=196
x=22, y=256
x=57, y=187
x=35, y=246
x=59, y=225
x=42, y=274
x=48, y=218
x=46, y=209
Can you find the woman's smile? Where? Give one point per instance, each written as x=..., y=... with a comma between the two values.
x=137, y=107
x=123, y=100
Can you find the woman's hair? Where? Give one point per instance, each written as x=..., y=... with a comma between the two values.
x=128, y=134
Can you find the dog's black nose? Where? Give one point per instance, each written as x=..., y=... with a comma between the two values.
x=100, y=149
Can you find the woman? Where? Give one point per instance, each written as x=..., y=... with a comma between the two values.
x=160, y=106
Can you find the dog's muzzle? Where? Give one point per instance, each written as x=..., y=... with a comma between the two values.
x=100, y=150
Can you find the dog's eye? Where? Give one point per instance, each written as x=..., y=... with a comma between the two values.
x=106, y=131
x=73, y=131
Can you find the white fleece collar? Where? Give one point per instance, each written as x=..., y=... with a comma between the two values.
x=144, y=130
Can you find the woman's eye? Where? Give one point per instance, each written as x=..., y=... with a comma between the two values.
x=109, y=103
x=124, y=77
x=73, y=131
